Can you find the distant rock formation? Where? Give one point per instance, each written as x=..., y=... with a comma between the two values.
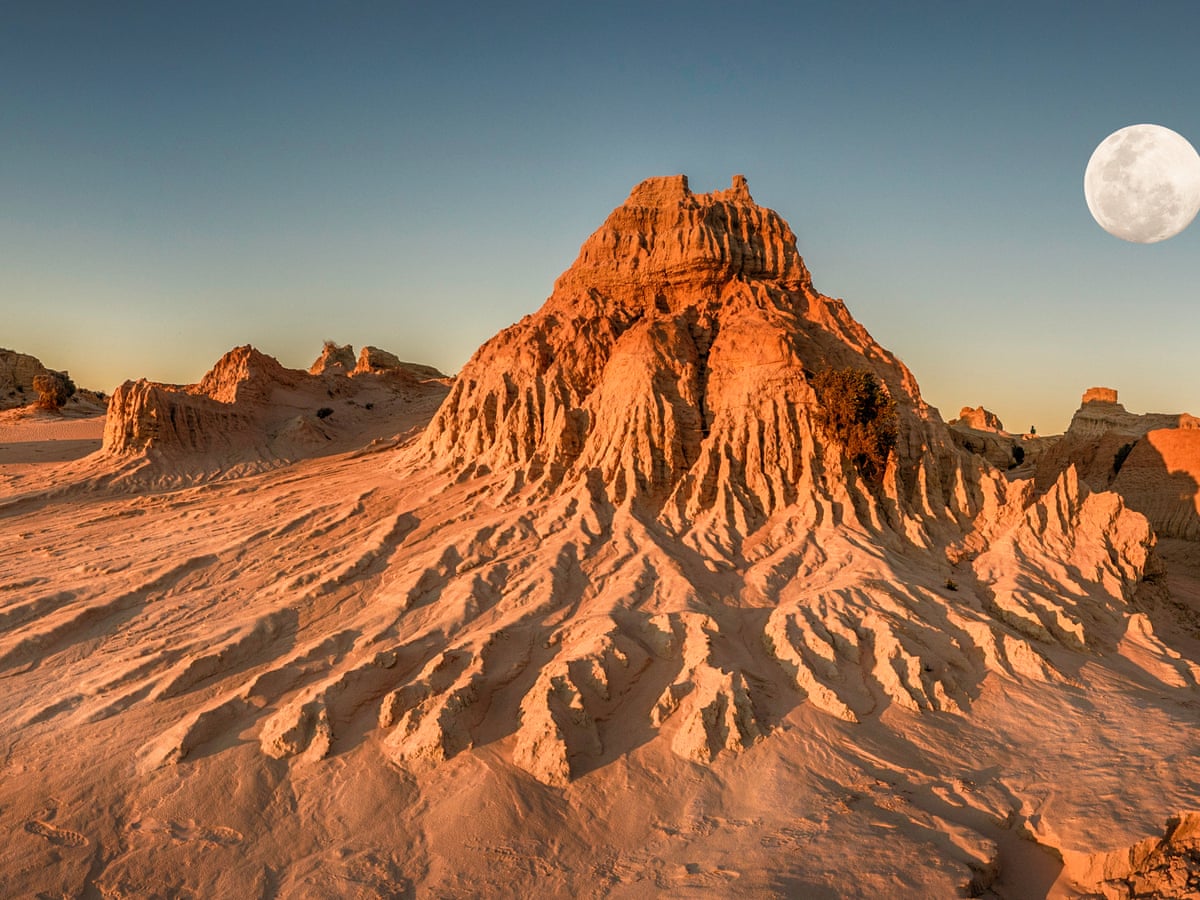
x=372, y=359
x=1100, y=436
x=249, y=408
x=20, y=371
x=1099, y=395
x=338, y=359
x=335, y=358
x=1151, y=459
x=980, y=431
x=1099, y=414
x=17, y=371
x=979, y=419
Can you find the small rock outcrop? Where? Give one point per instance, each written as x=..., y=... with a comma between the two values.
x=335, y=358
x=54, y=389
x=380, y=362
x=372, y=359
x=979, y=419
x=1166, y=866
x=338, y=359
x=1099, y=395
x=25, y=381
x=1101, y=434
x=980, y=431
x=17, y=372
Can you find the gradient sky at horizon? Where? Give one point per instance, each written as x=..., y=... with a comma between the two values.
x=176, y=180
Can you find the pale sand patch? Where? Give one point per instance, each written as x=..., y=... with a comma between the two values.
x=31, y=437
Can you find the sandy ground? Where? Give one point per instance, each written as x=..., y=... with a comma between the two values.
x=27, y=436
x=193, y=685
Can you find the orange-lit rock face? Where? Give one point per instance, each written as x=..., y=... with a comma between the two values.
x=672, y=364
x=206, y=416
x=249, y=409
x=660, y=247
x=17, y=371
x=1160, y=478
x=1099, y=395
x=979, y=418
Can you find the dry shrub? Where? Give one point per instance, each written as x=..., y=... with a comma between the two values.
x=857, y=412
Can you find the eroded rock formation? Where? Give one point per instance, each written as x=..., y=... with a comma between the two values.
x=20, y=371
x=673, y=364
x=643, y=461
x=335, y=358
x=1101, y=437
x=1100, y=414
x=979, y=419
x=660, y=413
x=1166, y=866
x=249, y=409
x=17, y=371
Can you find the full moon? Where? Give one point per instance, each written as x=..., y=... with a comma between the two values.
x=1142, y=183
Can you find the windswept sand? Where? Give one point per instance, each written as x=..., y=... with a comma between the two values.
x=194, y=682
x=27, y=436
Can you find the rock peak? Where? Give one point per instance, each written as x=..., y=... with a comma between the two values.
x=665, y=240
x=673, y=367
x=1098, y=395
x=978, y=418
x=662, y=190
x=672, y=190
x=739, y=191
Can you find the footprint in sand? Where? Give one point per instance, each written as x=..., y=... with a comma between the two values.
x=60, y=837
x=190, y=831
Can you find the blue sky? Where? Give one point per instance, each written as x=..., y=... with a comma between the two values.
x=175, y=180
